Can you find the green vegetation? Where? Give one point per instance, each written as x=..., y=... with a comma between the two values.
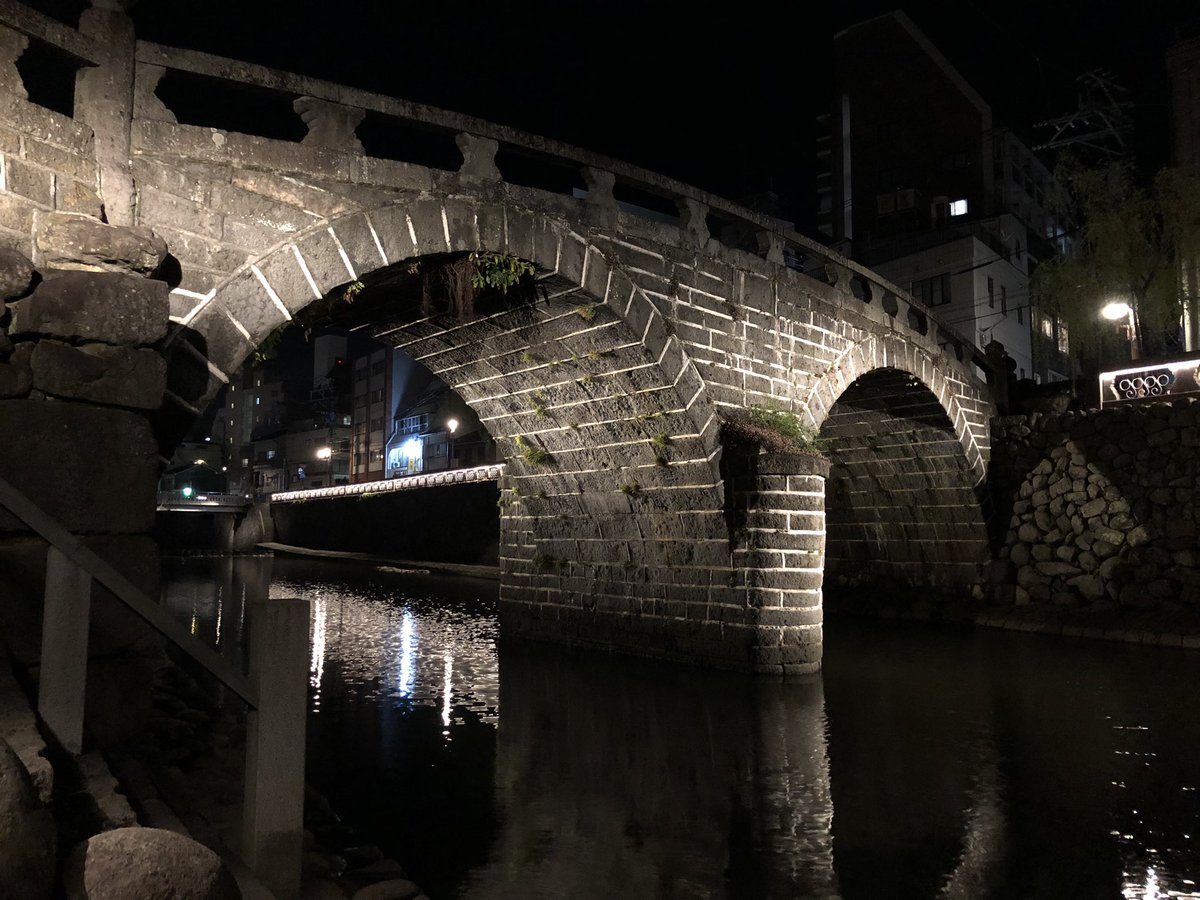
x=661, y=441
x=538, y=404
x=1134, y=238
x=498, y=271
x=531, y=452
x=774, y=429
x=631, y=490
x=586, y=312
x=352, y=290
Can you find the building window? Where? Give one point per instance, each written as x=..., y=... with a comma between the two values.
x=933, y=291
x=1047, y=328
x=376, y=395
x=377, y=424
x=258, y=401
x=1063, y=344
x=991, y=292
x=1004, y=299
x=270, y=454
x=958, y=207
x=377, y=368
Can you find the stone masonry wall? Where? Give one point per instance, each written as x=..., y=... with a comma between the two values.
x=80, y=376
x=47, y=160
x=1101, y=507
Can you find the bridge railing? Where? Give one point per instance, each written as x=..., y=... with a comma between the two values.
x=275, y=690
x=334, y=113
x=200, y=499
x=406, y=483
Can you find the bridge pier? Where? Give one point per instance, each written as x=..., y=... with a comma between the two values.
x=744, y=593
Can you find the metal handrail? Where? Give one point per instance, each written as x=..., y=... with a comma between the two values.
x=124, y=590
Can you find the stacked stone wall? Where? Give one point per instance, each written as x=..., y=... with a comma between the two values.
x=1102, y=508
x=80, y=378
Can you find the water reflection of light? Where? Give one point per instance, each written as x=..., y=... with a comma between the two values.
x=446, y=686
x=317, y=668
x=408, y=655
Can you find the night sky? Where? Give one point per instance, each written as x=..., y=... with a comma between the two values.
x=723, y=99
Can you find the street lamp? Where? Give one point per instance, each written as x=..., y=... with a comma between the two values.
x=453, y=426
x=1117, y=310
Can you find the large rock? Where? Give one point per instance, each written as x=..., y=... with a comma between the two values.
x=121, y=376
x=95, y=470
x=73, y=241
x=16, y=274
x=149, y=864
x=116, y=309
x=16, y=376
x=28, y=842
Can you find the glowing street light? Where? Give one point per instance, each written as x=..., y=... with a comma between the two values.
x=453, y=426
x=1117, y=310
x=324, y=452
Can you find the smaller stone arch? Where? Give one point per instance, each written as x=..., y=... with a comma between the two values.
x=903, y=499
x=964, y=402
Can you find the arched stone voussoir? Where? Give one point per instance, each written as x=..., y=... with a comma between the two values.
x=966, y=406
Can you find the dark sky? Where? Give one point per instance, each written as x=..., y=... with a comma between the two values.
x=724, y=99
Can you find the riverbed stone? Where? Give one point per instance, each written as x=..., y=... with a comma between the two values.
x=148, y=863
x=78, y=242
x=121, y=376
x=16, y=274
x=28, y=841
x=85, y=306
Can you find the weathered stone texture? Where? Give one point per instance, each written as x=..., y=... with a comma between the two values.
x=95, y=470
x=16, y=376
x=146, y=862
x=117, y=376
x=108, y=307
x=16, y=275
x=27, y=834
x=72, y=241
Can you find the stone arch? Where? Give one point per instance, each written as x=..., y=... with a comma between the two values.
x=967, y=410
x=622, y=536
x=903, y=500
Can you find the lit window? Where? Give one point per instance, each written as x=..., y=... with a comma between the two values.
x=270, y=454
x=1047, y=327
x=258, y=401
x=245, y=461
x=1064, y=345
x=958, y=207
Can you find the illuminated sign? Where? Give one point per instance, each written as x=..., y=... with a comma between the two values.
x=1152, y=382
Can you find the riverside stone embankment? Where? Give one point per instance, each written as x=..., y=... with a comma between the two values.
x=1101, y=509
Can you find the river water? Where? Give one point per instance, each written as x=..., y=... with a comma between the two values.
x=923, y=762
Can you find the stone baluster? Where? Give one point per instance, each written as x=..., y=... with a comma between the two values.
x=329, y=124
x=12, y=45
x=600, y=202
x=770, y=246
x=693, y=221
x=104, y=101
x=146, y=103
x=479, y=157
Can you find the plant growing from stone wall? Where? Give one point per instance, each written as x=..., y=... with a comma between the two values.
x=531, y=452
x=774, y=429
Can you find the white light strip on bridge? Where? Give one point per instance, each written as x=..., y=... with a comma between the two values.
x=431, y=479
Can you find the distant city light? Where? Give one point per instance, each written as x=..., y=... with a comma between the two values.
x=958, y=207
x=411, y=448
x=207, y=439
x=187, y=493
x=452, y=425
x=324, y=453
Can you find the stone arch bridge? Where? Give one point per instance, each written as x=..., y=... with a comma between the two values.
x=629, y=519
